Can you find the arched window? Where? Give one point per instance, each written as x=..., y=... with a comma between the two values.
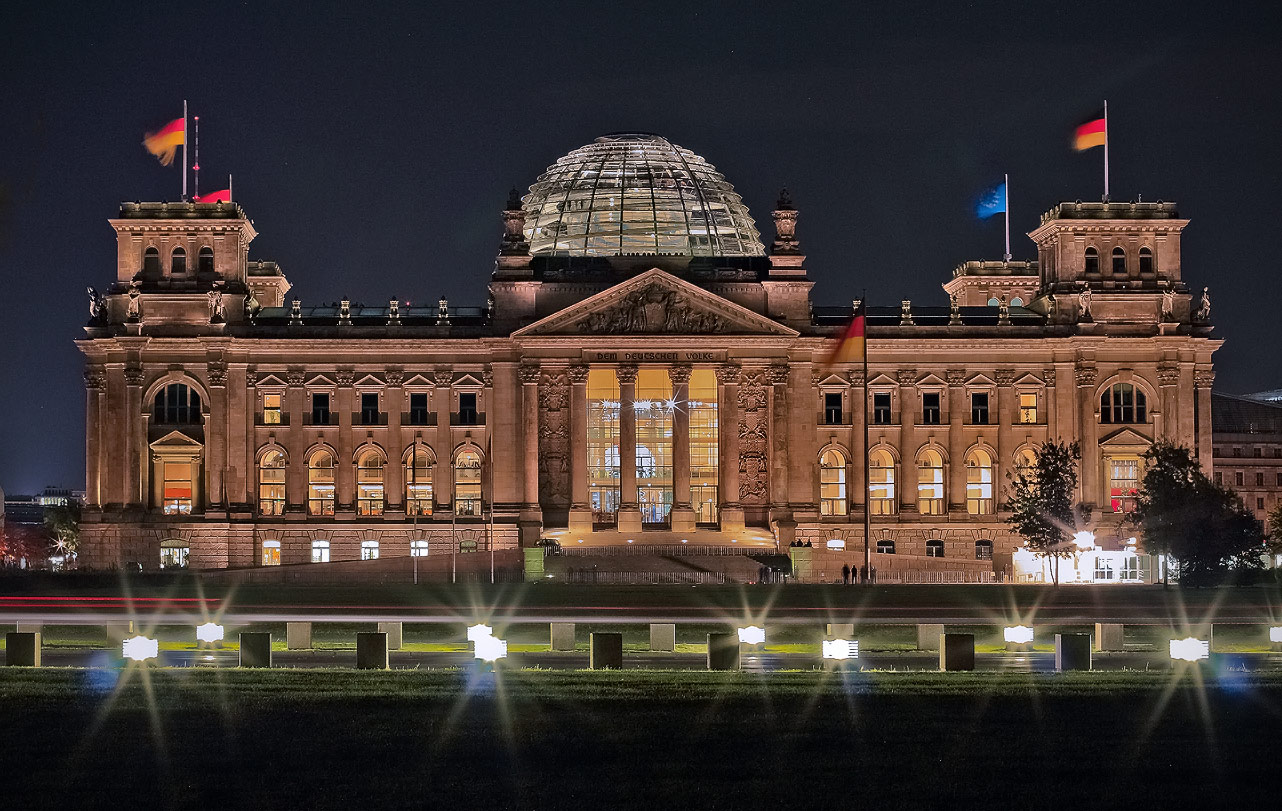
x=1092, y=260
x=178, y=262
x=205, y=260
x=832, y=483
x=271, y=485
x=1123, y=403
x=1146, y=262
x=881, y=483
x=173, y=554
x=1017, y=301
x=994, y=302
x=369, y=550
x=320, y=485
x=320, y=551
x=934, y=549
x=369, y=484
x=271, y=553
x=979, y=482
x=930, y=483
x=418, y=482
x=151, y=262
x=885, y=547
x=418, y=549
x=983, y=549
x=1026, y=463
x=176, y=404
x=1119, y=262
x=467, y=483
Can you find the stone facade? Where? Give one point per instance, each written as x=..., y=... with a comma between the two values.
x=244, y=430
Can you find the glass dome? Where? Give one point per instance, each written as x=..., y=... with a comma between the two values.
x=636, y=193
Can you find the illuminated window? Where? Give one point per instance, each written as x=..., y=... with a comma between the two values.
x=1028, y=408
x=979, y=408
x=320, y=484
x=178, y=262
x=369, y=484
x=983, y=549
x=272, y=409
x=320, y=551
x=467, y=483
x=271, y=483
x=418, y=549
x=271, y=553
x=369, y=550
x=979, y=483
x=151, y=262
x=1119, y=262
x=930, y=483
x=603, y=446
x=881, y=408
x=1123, y=482
x=205, y=260
x=832, y=483
x=418, y=482
x=176, y=404
x=174, y=554
x=1146, y=262
x=934, y=549
x=1092, y=260
x=1122, y=403
x=881, y=483
x=653, y=409
x=886, y=547
x=177, y=487
x=705, y=466
x=1026, y=464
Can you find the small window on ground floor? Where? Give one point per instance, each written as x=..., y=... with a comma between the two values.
x=369, y=550
x=934, y=549
x=418, y=549
x=983, y=549
x=173, y=554
x=886, y=547
x=320, y=551
x=271, y=553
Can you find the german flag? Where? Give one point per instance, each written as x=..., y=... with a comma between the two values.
x=166, y=141
x=1092, y=132
x=852, y=346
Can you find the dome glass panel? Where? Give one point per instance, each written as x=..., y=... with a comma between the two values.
x=634, y=193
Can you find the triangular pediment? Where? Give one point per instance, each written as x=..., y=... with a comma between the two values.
x=468, y=380
x=833, y=380
x=655, y=303
x=883, y=379
x=320, y=382
x=1029, y=379
x=271, y=381
x=370, y=381
x=980, y=379
x=418, y=380
x=932, y=379
x=1125, y=438
x=176, y=441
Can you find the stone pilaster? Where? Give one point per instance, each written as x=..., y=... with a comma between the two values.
x=958, y=410
x=216, y=441
x=530, y=374
x=394, y=403
x=1007, y=417
x=95, y=382
x=780, y=415
x=443, y=404
x=729, y=511
x=1203, y=379
x=629, y=509
x=1088, y=432
x=580, y=508
x=135, y=450
x=1168, y=379
x=683, y=518
x=296, y=475
x=345, y=475
x=909, y=403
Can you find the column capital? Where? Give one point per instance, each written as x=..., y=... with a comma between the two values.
x=578, y=374
x=1084, y=374
x=529, y=373
x=1203, y=378
x=777, y=374
x=395, y=376
x=295, y=376
x=251, y=376
x=955, y=377
x=95, y=376
x=680, y=372
x=1048, y=377
x=728, y=374
x=626, y=372
x=906, y=377
x=1004, y=377
x=1168, y=374
x=133, y=374
x=344, y=377
x=443, y=378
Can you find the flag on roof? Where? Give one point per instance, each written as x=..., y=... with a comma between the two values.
x=992, y=202
x=164, y=142
x=1092, y=132
x=851, y=347
x=223, y=196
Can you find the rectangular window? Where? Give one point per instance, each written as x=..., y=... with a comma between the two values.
x=1028, y=408
x=369, y=408
x=881, y=408
x=1237, y=452
x=832, y=408
x=1279, y=478
x=1238, y=479
x=654, y=413
x=467, y=411
x=979, y=408
x=177, y=488
x=320, y=408
x=1219, y=477
x=704, y=449
x=1259, y=479
x=1257, y=452
x=603, y=446
x=930, y=408
x=1123, y=483
x=271, y=409
x=418, y=408
x=1259, y=504
x=271, y=553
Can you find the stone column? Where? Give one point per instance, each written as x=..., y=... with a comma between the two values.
x=216, y=440
x=296, y=444
x=240, y=461
x=95, y=380
x=530, y=374
x=804, y=440
x=580, y=508
x=1007, y=417
x=629, y=511
x=394, y=474
x=860, y=403
x=345, y=475
x=908, y=403
x=1087, y=433
x=1202, y=381
x=443, y=404
x=780, y=509
x=1168, y=378
x=683, y=518
x=957, y=439
x=729, y=511
x=136, y=454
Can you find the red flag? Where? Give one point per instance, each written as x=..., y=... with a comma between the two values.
x=164, y=143
x=223, y=196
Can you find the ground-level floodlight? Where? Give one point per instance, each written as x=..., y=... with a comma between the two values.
x=489, y=648
x=209, y=632
x=841, y=648
x=1018, y=634
x=1275, y=633
x=475, y=632
x=1190, y=649
x=140, y=648
x=1084, y=539
x=752, y=635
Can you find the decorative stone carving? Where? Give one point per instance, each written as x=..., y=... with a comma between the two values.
x=777, y=375
x=655, y=308
x=95, y=377
x=251, y=376
x=906, y=377
x=1084, y=303
x=133, y=374
x=906, y=313
x=727, y=374
x=578, y=374
x=955, y=377
x=344, y=377
x=1168, y=374
x=1084, y=374
x=857, y=377
x=554, y=392
x=954, y=310
x=1168, y=303
x=394, y=375
x=626, y=372
x=295, y=313
x=753, y=437
x=529, y=374
x=133, y=311
x=217, y=372
x=345, y=313
x=1003, y=311
x=487, y=377
x=1203, y=379
x=443, y=378
x=97, y=308
x=216, y=314
x=785, y=217
x=752, y=390
x=443, y=312
x=514, y=243
x=1004, y=377
x=296, y=376
x=1048, y=377
x=679, y=373
x=1204, y=308
x=554, y=438
x=393, y=313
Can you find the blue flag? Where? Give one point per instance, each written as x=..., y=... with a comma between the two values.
x=992, y=202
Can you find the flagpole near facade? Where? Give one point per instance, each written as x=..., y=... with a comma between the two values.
x=1006, y=211
x=230, y=195
x=184, y=165
x=413, y=488
x=1105, y=150
x=867, y=452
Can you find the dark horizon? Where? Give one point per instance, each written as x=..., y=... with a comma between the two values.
x=374, y=147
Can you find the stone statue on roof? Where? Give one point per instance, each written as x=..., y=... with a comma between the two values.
x=1204, y=309
x=1084, y=303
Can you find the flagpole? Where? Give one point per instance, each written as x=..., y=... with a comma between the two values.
x=184, y=150
x=867, y=465
x=230, y=197
x=1105, y=150
x=1006, y=211
x=195, y=166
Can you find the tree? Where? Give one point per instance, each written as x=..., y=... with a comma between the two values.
x=62, y=526
x=1202, y=525
x=1041, y=501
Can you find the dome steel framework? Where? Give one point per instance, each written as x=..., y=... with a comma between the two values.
x=636, y=193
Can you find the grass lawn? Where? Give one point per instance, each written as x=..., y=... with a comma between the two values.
x=636, y=739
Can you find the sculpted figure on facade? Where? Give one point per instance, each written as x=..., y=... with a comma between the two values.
x=97, y=307
x=215, y=297
x=1204, y=308
x=1084, y=303
x=133, y=310
x=554, y=439
x=654, y=309
x=1168, y=304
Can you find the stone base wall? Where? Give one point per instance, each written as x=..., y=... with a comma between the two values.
x=214, y=545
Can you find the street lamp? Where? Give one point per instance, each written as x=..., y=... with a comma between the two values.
x=1084, y=539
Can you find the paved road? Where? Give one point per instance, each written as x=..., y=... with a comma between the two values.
x=761, y=662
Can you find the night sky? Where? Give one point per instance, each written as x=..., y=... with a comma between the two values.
x=374, y=144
